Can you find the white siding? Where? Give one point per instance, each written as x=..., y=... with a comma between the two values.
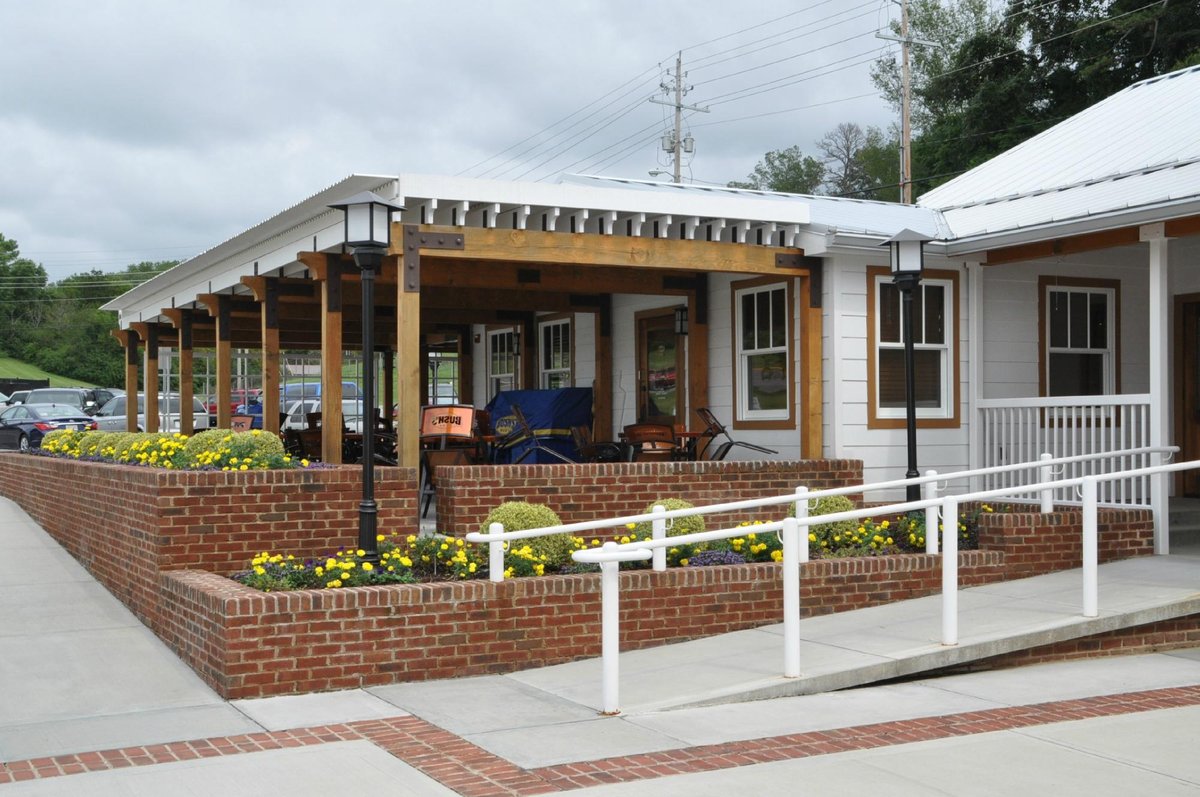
x=1010, y=318
x=884, y=452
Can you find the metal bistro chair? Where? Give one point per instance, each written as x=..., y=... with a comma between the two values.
x=447, y=438
x=716, y=429
x=598, y=450
x=651, y=441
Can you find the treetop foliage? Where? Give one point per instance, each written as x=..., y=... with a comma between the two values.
x=59, y=326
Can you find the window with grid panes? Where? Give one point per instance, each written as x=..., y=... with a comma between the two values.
x=554, y=354
x=763, y=384
x=933, y=350
x=1079, y=357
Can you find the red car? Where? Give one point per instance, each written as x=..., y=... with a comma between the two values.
x=237, y=397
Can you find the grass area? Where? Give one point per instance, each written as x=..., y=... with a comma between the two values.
x=15, y=369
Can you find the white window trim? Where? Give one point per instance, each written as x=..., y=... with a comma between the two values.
x=543, y=372
x=492, y=376
x=1109, y=353
x=947, y=349
x=743, y=412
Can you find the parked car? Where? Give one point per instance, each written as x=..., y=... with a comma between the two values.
x=237, y=398
x=88, y=399
x=3, y=398
x=311, y=390
x=111, y=416
x=297, y=414
x=23, y=426
x=18, y=397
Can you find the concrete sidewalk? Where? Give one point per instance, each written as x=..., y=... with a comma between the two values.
x=83, y=681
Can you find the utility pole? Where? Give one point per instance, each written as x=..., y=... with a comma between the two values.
x=906, y=41
x=905, y=103
x=676, y=143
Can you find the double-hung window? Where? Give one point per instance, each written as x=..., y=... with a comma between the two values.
x=1079, y=339
x=935, y=382
x=502, y=360
x=762, y=351
x=554, y=353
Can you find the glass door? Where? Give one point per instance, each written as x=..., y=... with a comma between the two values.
x=662, y=377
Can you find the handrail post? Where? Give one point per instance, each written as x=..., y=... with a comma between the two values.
x=659, y=526
x=950, y=571
x=802, y=521
x=610, y=629
x=791, y=597
x=496, y=552
x=1045, y=474
x=931, y=514
x=1091, y=604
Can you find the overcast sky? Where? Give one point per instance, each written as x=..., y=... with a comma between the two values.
x=154, y=130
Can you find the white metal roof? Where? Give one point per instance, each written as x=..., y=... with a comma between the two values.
x=1137, y=149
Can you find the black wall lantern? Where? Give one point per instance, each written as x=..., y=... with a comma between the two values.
x=681, y=320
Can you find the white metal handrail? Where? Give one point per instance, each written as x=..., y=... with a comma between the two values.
x=496, y=536
x=794, y=554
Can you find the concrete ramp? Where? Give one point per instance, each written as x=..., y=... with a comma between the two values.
x=885, y=642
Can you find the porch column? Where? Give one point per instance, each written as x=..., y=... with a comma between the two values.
x=974, y=368
x=129, y=339
x=148, y=333
x=408, y=372
x=270, y=355
x=602, y=388
x=1160, y=352
x=220, y=307
x=331, y=363
x=182, y=319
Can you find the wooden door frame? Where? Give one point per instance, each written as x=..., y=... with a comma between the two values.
x=681, y=362
x=1180, y=389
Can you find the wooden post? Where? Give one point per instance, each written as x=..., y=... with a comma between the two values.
x=186, y=394
x=697, y=352
x=331, y=362
x=129, y=339
x=602, y=409
x=149, y=333
x=408, y=375
x=270, y=356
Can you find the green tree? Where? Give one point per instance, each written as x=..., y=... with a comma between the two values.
x=22, y=285
x=787, y=170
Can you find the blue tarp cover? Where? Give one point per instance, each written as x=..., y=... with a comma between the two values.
x=551, y=414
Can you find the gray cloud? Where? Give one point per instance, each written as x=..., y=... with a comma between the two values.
x=162, y=128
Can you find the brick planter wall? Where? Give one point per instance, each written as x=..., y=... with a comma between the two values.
x=1033, y=543
x=126, y=524
x=247, y=643
x=585, y=492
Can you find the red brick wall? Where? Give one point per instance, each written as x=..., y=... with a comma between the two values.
x=585, y=492
x=125, y=524
x=249, y=644
x=1033, y=543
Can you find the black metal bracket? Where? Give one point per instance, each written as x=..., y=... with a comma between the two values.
x=815, y=267
x=414, y=242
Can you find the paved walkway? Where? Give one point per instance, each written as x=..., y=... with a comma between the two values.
x=92, y=704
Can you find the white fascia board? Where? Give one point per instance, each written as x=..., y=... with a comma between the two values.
x=568, y=195
x=227, y=262
x=1088, y=224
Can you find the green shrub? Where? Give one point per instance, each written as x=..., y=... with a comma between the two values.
x=691, y=524
x=825, y=537
x=225, y=450
x=522, y=515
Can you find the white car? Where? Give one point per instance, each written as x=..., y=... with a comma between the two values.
x=297, y=414
x=111, y=417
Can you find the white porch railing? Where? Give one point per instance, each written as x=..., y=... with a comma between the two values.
x=1087, y=427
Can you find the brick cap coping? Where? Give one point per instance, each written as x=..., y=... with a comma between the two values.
x=470, y=770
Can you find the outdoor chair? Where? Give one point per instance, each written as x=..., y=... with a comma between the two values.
x=715, y=429
x=651, y=441
x=447, y=438
x=599, y=451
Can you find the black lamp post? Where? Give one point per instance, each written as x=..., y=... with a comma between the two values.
x=367, y=234
x=907, y=250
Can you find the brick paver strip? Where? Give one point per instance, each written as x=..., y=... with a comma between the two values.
x=474, y=772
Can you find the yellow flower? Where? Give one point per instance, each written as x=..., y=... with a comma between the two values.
x=360, y=552
x=368, y=566
x=379, y=538
x=682, y=563
x=631, y=525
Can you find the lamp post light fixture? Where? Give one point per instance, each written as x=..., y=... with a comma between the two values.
x=907, y=249
x=367, y=234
